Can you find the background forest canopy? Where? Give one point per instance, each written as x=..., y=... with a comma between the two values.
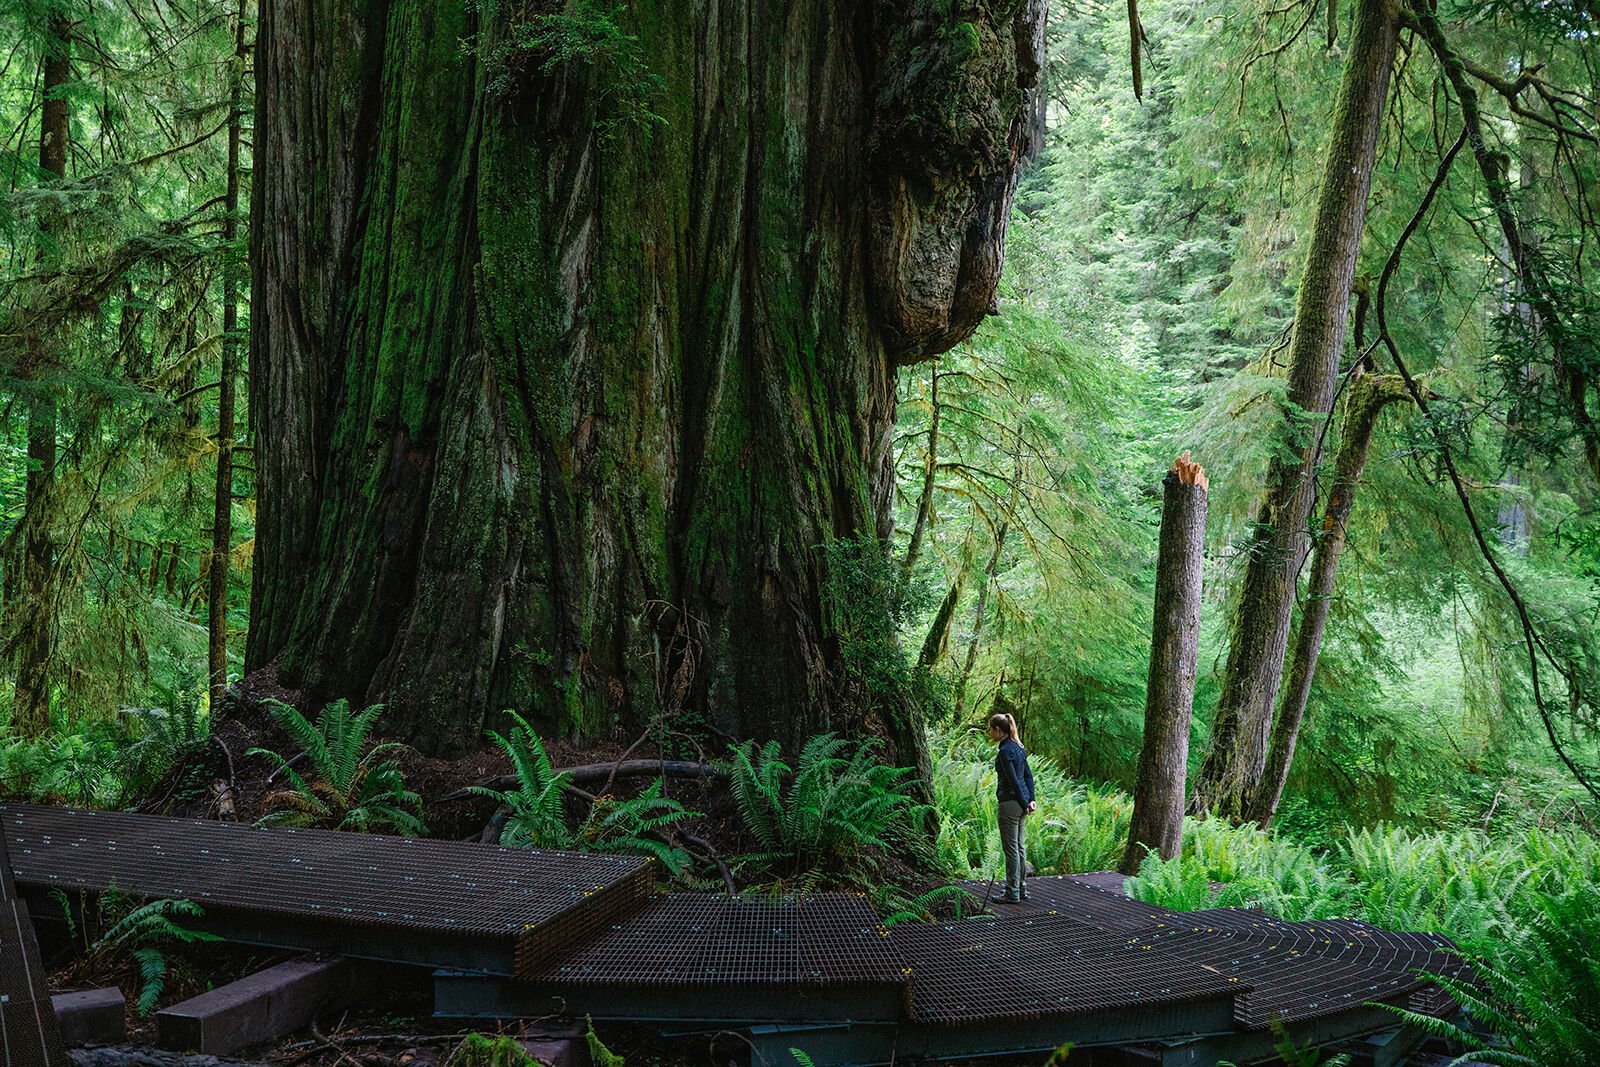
x=1001, y=556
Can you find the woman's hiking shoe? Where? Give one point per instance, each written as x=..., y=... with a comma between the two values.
x=1012, y=898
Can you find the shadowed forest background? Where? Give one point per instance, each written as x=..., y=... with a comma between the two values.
x=571, y=361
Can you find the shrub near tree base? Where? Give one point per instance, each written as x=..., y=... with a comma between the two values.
x=349, y=787
x=821, y=813
x=536, y=815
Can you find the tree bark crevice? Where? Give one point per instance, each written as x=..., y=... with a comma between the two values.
x=538, y=344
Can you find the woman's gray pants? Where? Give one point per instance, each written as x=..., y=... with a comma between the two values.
x=1011, y=819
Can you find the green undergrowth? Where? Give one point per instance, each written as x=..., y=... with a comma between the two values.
x=115, y=927
x=1522, y=902
x=1473, y=886
x=1079, y=826
x=348, y=783
x=536, y=808
x=109, y=762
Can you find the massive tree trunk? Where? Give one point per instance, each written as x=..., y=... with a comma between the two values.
x=1157, y=821
x=584, y=337
x=1368, y=395
x=35, y=636
x=1260, y=630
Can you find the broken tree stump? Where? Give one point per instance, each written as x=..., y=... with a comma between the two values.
x=1169, y=697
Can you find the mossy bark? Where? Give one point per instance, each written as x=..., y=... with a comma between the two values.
x=1369, y=394
x=36, y=619
x=566, y=361
x=1157, y=821
x=1278, y=543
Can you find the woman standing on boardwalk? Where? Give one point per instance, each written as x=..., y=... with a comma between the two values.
x=1014, y=790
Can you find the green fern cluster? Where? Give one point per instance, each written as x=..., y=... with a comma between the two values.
x=1541, y=997
x=350, y=787
x=143, y=932
x=836, y=800
x=175, y=725
x=537, y=808
x=108, y=762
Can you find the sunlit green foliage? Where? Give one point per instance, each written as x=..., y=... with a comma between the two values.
x=817, y=816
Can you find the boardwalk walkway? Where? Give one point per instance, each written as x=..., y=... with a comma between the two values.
x=520, y=932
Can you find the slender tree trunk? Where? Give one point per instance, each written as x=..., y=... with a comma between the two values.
x=555, y=331
x=173, y=557
x=1368, y=395
x=36, y=631
x=929, y=467
x=938, y=637
x=1260, y=630
x=981, y=612
x=152, y=574
x=1174, y=650
x=222, y=501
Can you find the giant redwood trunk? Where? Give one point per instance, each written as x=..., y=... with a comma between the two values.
x=572, y=347
x=1260, y=632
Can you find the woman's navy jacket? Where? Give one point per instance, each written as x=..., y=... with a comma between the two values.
x=1014, y=779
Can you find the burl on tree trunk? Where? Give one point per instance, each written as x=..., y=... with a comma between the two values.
x=1174, y=647
x=572, y=347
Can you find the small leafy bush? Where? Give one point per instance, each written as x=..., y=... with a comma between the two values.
x=537, y=808
x=350, y=785
x=820, y=814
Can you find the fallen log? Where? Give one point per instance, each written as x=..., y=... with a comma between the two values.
x=600, y=772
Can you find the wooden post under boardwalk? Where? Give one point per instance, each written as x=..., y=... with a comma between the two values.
x=1169, y=701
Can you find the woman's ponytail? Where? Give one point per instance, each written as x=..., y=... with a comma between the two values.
x=1002, y=721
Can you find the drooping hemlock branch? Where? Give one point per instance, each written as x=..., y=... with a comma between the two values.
x=1532, y=643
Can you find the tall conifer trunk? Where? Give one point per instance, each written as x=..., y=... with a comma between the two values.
x=1369, y=393
x=585, y=337
x=222, y=502
x=1157, y=821
x=1260, y=631
x=36, y=630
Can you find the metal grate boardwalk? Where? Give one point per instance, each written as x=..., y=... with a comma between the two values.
x=442, y=903
x=1304, y=970
x=1035, y=968
x=700, y=939
x=516, y=931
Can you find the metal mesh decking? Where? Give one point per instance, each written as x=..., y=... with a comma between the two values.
x=700, y=939
x=1068, y=895
x=1304, y=970
x=28, y=1032
x=531, y=903
x=1037, y=968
